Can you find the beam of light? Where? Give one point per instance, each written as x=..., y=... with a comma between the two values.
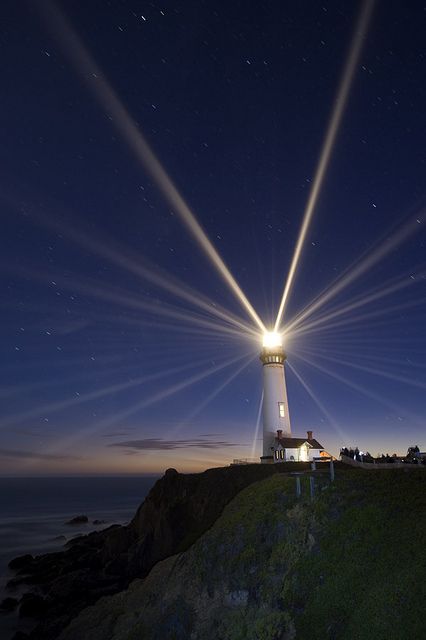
x=8, y=392
x=166, y=393
x=257, y=428
x=144, y=270
x=318, y=402
x=205, y=334
x=62, y=362
x=328, y=144
x=360, y=301
x=385, y=344
x=85, y=65
x=317, y=328
x=371, y=357
x=400, y=411
x=53, y=407
x=130, y=300
x=372, y=370
x=146, y=402
x=199, y=407
x=360, y=268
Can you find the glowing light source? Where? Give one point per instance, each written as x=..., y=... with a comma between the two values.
x=272, y=339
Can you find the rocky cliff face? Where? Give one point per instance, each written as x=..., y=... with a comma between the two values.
x=178, y=509
x=232, y=554
x=348, y=564
x=220, y=586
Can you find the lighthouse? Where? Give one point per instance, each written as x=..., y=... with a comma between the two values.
x=276, y=418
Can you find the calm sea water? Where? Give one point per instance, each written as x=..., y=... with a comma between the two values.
x=33, y=512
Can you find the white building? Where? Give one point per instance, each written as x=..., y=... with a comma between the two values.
x=297, y=449
x=278, y=443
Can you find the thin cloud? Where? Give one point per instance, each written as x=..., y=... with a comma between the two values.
x=34, y=455
x=157, y=444
x=117, y=434
x=211, y=435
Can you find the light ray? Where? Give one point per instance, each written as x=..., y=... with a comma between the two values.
x=53, y=407
x=83, y=62
x=360, y=389
x=357, y=319
x=196, y=410
x=144, y=270
x=328, y=144
x=360, y=268
x=165, y=393
x=64, y=380
x=122, y=298
x=360, y=301
x=372, y=370
x=371, y=357
x=256, y=431
x=146, y=402
x=318, y=402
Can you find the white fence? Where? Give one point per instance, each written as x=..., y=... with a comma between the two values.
x=380, y=465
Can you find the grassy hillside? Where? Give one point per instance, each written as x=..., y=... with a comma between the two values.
x=350, y=564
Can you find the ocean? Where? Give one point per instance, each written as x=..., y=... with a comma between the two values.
x=34, y=512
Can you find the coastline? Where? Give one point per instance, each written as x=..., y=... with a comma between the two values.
x=34, y=521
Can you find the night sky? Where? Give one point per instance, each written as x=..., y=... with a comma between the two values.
x=117, y=354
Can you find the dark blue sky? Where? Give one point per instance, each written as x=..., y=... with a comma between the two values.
x=234, y=99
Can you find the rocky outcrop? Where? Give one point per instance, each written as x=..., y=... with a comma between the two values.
x=8, y=604
x=78, y=520
x=348, y=564
x=176, y=512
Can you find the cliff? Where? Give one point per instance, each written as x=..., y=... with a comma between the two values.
x=233, y=554
x=349, y=564
x=177, y=510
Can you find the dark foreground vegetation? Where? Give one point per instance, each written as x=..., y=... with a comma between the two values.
x=235, y=555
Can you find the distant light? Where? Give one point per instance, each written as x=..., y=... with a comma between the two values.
x=272, y=339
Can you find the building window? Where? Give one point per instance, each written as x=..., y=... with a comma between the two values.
x=281, y=409
x=276, y=455
x=282, y=454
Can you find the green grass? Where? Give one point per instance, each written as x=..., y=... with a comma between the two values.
x=367, y=578
x=349, y=565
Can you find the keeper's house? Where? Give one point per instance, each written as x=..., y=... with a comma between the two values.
x=288, y=449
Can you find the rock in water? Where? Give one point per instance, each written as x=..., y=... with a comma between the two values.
x=21, y=562
x=8, y=604
x=78, y=520
x=32, y=606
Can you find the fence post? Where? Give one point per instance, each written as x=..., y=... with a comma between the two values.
x=312, y=486
x=313, y=465
x=331, y=471
x=298, y=488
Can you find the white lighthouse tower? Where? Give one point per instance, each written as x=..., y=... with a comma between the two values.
x=276, y=417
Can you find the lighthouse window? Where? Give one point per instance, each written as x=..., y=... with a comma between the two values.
x=281, y=409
